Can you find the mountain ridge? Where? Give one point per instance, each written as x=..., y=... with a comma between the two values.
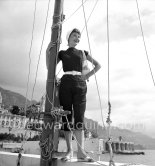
x=138, y=138
x=10, y=98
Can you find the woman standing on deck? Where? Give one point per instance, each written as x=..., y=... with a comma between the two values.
x=72, y=92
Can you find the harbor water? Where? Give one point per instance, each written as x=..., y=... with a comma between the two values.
x=147, y=159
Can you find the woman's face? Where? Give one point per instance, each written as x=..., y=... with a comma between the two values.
x=74, y=39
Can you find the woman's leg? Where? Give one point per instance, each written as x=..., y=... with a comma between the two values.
x=67, y=133
x=68, y=137
x=80, y=139
x=65, y=98
x=79, y=106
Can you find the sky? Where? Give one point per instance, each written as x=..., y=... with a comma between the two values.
x=131, y=88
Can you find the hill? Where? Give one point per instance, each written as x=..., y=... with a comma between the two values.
x=127, y=135
x=10, y=98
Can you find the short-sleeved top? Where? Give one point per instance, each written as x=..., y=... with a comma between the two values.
x=71, y=59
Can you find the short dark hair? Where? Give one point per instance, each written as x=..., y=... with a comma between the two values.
x=76, y=31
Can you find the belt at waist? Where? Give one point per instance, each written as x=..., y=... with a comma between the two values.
x=73, y=73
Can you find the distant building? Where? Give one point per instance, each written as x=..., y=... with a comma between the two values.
x=2, y=110
x=42, y=103
x=0, y=100
x=13, y=121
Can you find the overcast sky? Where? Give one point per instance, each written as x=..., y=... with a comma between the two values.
x=132, y=92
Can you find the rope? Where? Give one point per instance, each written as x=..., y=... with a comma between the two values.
x=92, y=63
x=34, y=16
x=45, y=149
x=140, y=22
x=19, y=159
x=111, y=162
x=40, y=51
x=108, y=44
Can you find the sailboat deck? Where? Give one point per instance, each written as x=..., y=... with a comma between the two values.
x=10, y=159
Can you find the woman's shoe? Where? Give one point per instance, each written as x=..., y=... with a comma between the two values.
x=66, y=158
x=86, y=159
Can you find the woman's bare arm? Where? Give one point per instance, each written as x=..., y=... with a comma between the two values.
x=96, y=64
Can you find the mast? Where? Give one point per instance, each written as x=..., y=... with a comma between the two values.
x=46, y=140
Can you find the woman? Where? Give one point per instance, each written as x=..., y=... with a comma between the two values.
x=72, y=92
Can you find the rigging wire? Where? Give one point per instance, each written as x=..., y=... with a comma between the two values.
x=142, y=32
x=40, y=51
x=94, y=72
x=108, y=47
x=90, y=15
x=29, y=70
x=74, y=12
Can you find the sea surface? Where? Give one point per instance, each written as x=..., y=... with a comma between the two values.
x=147, y=159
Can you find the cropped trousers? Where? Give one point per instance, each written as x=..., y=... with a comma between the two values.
x=72, y=96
